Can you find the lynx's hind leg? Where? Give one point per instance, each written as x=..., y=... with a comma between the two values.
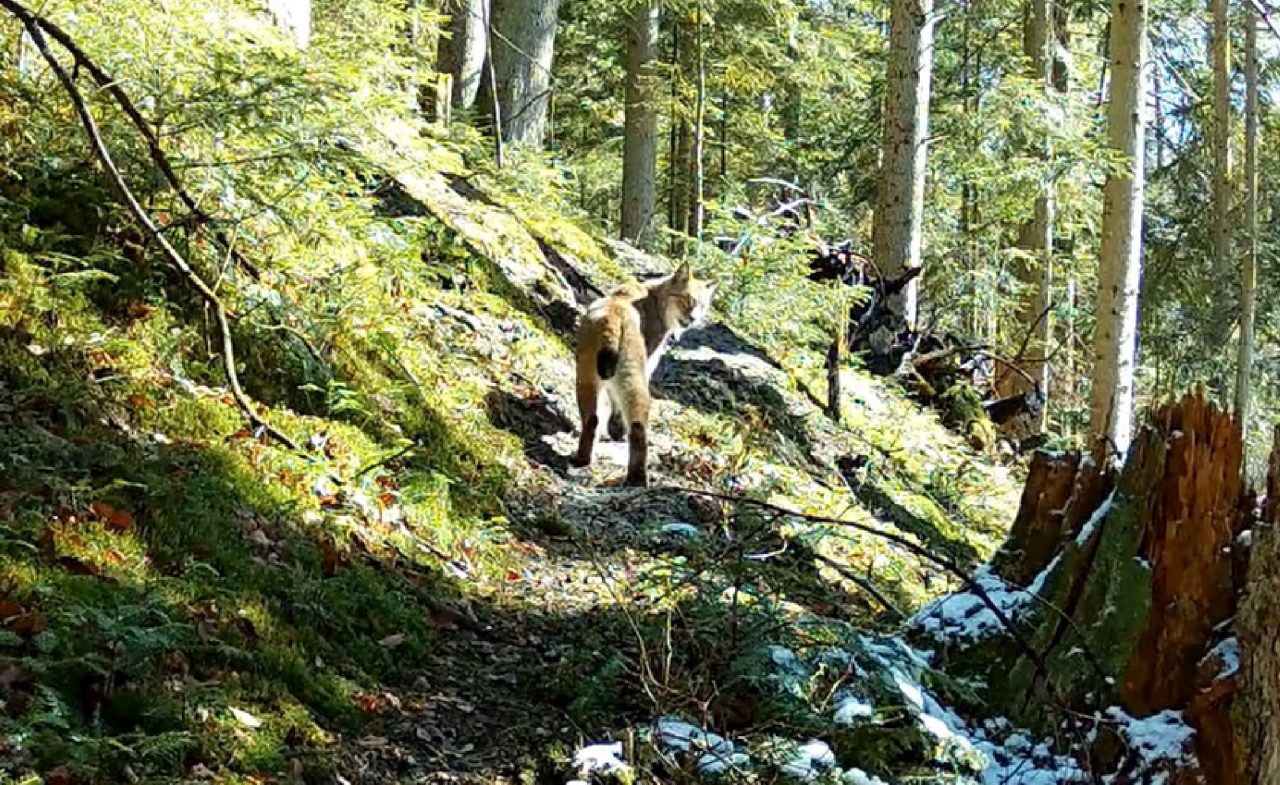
x=589, y=413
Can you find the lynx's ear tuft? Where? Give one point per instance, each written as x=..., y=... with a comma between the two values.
x=681, y=276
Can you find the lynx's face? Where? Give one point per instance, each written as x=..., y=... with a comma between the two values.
x=689, y=302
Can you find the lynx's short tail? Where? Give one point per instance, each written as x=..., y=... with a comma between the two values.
x=610, y=343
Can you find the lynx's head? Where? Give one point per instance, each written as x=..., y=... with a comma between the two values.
x=686, y=301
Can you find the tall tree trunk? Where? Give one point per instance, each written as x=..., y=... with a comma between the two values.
x=1221, y=147
x=1036, y=237
x=521, y=52
x=294, y=17
x=1120, y=263
x=463, y=54
x=698, y=191
x=640, y=145
x=1249, y=284
x=896, y=238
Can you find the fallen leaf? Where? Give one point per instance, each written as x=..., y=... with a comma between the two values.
x=28, y=625
x=140, y=310
x=246, y=719
x=116, y=519
x=140, y=401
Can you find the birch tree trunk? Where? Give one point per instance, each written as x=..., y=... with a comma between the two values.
x=294, y=17
x=1036, y=236
x=1249, y=283
x=521, y=53
x=1221, y=149
x=640, y=143
x=463, y=54
x=896, y=238
x=1120, y=263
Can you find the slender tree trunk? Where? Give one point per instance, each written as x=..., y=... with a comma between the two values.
x=698, y=192
x=1221, y=145
x=494, y=105
x=1120, y=263
x=1036, y=237
x=294, y=17
x=1070, y=382
x=522, y=49
x=463, y=54
x=1219, y=320
x=899, y=219
x=1248, y=288
x=1158, y=120
x=640, y=145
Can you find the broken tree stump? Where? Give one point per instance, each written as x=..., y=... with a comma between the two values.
x=1136, y=578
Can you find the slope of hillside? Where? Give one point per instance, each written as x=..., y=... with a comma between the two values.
x=429, y=586
x=425, y=590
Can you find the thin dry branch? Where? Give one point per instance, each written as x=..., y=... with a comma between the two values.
x=945, y=563
x=36, y=31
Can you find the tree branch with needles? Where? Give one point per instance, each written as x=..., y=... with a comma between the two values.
x=36, y=27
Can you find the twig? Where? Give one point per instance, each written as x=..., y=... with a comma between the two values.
x=398, y=454
x=36, y=31
x=1026, y=339
x=945, y=563
x=861, y=583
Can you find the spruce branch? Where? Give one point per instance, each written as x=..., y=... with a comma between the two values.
x=36, y=27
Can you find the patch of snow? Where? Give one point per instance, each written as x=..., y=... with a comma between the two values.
x=1245, y=538
x=606, y=758
x=716, y=755
x=681, y=736
x=714, y=764
x=850, y=707
x=809, y=761
x=1228, y=652
x=936, y=727
x=966, y=616
x=1014, y=758
x=859, y=777
x=910, y=690
x=1087, y=530
x=1163, y=737
x=682, y=529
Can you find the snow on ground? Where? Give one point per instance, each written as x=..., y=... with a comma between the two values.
x=966, y=616
x=882, y=676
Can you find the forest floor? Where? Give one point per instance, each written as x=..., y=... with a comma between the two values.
x=427, y=591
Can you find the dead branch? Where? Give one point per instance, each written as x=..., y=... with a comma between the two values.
x=861, y=583
x=915, y=548
x=36, y=30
